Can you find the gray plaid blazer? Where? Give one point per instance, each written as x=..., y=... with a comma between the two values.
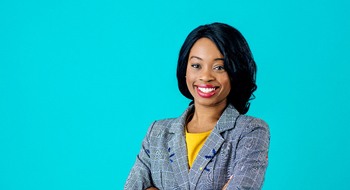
x=238, y=147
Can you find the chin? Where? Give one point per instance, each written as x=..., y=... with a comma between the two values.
x=209, y=103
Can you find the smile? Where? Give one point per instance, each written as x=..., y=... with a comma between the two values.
x=206, y=91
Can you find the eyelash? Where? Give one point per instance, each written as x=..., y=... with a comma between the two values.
x=218, y=68
x=196, y=66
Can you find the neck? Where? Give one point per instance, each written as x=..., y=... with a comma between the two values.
x=205, y=117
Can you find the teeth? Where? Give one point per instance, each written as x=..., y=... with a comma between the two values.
x=206, y=90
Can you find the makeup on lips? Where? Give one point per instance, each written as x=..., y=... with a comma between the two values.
x=206, y=91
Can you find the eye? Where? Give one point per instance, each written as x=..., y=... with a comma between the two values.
x=195, y=65
x=219, y=68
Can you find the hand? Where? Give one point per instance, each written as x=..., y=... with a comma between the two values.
x=225, y=186
x=151, y=188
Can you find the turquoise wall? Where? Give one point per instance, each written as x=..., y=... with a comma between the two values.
x=80, y=82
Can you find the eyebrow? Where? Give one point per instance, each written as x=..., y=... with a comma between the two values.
x=195, y=57
x=216, y=59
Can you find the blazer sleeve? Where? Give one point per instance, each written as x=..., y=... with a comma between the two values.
x=251, y=156
x=140, y=174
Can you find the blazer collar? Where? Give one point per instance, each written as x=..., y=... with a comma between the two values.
x=227, y=119
x=225, y=122
x=179, y=123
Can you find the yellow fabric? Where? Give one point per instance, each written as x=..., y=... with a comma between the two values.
x=195, y=142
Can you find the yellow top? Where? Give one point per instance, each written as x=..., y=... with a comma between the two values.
x=195, y=142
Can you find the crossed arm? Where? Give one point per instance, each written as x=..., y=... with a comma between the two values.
x=249, y=165
x=224, y=188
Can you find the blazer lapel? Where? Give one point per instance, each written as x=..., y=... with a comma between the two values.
x=178, y=151
x=178, y=160
x=205, y=155
x=212, y=145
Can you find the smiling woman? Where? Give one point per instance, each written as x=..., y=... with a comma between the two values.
x=212, y=145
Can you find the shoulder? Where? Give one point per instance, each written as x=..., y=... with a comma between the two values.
x=246, y=125
x=170, y=125
x=252, y=125
x=164, y=122
x=161, y=126
x=245, y=120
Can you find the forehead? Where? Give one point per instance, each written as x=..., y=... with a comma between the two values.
x=205, y=48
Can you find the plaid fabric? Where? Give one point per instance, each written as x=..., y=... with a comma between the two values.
x=238, y=147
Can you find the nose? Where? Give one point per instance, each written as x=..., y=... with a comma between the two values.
x=206, y=75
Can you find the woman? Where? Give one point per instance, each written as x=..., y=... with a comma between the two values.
x=212, y=145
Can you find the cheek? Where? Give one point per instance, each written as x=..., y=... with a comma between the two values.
x=227, y=84
x=189, y=78
x=189, y=82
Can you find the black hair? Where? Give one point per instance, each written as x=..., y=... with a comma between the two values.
x=238, y=62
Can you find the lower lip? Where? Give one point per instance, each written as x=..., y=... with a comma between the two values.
x=205, y=95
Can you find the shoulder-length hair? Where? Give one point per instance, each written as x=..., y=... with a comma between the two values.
x=238, y=62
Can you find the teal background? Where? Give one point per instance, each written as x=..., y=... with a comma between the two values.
x=80, y=82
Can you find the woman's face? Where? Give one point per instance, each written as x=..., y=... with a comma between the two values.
x=206, y=78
